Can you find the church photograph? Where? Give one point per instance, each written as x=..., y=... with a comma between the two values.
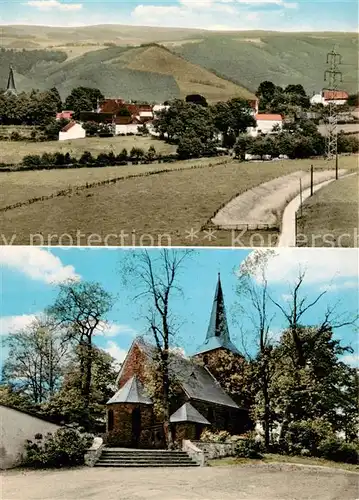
x=198, y=402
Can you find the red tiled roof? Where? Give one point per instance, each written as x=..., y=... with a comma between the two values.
x=333, y=95
x=66, y=115
x=269, y=117
x=68, y=126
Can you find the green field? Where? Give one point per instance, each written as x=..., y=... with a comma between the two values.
x=14, y=151
x=76, y=57
x=170, y=204
x=330, y=216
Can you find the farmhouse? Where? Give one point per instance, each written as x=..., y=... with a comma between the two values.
x=65, y=115
x=199, y=401
x=326, y=97
x=265, y=124
x=72, y=130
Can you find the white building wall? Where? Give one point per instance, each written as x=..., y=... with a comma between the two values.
x=264, y=127
x=132, y=128
x=75, y=132
x=16, y=427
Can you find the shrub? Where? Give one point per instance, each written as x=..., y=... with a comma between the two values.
x=307, y=435
x=215, y=437
x=248, y=448
x=86, y=158
x=65, y=448
x=15, y=136
x=32, y=161
x=336, y=449
x=123, y=155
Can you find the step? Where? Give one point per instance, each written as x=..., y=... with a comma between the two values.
x=150, y=455
x=122, y=460
x=134, y=464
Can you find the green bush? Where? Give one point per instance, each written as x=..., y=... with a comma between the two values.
x=339, y=451
x=305, y=436
x=32, y=161
x=248, y=448
x=65, y=448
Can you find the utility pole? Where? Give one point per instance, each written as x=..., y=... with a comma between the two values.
x=333, y=76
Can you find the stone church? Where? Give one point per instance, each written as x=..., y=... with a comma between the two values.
x=199, y=403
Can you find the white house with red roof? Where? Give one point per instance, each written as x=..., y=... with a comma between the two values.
x=265, y=124
x=326, y=97
x=72, y=130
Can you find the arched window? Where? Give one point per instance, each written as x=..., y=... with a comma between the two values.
x=110, y=420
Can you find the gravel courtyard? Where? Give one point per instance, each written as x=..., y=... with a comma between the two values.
x=252, y=482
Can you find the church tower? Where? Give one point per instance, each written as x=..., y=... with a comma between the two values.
x=11, y=88
x=217, y=337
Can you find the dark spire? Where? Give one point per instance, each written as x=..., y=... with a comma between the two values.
x=218, y=332
x=11, y=89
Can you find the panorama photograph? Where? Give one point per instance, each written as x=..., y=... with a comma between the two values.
x=177, y=122
x=120, y=368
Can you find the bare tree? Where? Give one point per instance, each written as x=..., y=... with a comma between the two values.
x=296, y=307
x=253, y=288
x=155, y=275
x=80, y=311
x=36, y=359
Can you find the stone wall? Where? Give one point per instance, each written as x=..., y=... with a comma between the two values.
x=221, y=417
x=216, y=450
x=16, y=427
x=94, y=453
x=121, y=433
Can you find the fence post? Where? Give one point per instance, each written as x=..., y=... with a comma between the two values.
x=311, y=179
x=336, y=166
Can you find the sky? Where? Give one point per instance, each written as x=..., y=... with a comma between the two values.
x=281, y=15
x=29, y=278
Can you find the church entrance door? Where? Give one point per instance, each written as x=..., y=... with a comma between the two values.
x=136, y=427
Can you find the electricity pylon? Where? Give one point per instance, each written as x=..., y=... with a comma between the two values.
x=333, y=76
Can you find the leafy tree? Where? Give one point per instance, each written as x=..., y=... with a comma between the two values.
x=91, y=128
x=353, y=100
x=83, y=99
x=233, y=117
x=197, y=99
x=80, y=310
x=35, y=360
x=189, y=146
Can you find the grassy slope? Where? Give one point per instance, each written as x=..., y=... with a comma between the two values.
x=22, y=186
x=283, y=58
x=245, y=57
x=13, y=152
x=158, y=204
x=150, y=73
x=331, y=212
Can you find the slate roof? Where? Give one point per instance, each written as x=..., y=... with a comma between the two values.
x=218, y=332
x=195, y=380
x=188, y=414
x=132, y=392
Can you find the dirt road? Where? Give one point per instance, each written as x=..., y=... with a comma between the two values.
x=250, y=482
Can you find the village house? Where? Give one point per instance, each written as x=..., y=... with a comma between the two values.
x=199, y=403
x=326, y=97
x=265, y=124
x=65, y=115
x=73, y=130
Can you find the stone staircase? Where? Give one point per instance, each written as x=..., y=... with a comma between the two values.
x=124, y=457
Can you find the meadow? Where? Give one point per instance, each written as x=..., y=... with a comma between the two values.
x=178, y=204
x=330, y=216
x=14, y=151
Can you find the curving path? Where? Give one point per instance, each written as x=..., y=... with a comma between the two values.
x=287, y=237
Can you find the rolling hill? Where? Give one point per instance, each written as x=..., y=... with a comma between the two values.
x=149, y=73
x=217, y=64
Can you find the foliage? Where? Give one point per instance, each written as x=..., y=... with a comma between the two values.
x=305, y=436
x=336, y=449
x=64, y=448
x=33, y=108
x=248, y=448
x=35, y=360
x=83, y=99
x=189, y=146
x=197, y=99
x=215, y=437
x=232, y=118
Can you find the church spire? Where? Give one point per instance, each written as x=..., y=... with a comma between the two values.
x=11, y=88
x=218, y=333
